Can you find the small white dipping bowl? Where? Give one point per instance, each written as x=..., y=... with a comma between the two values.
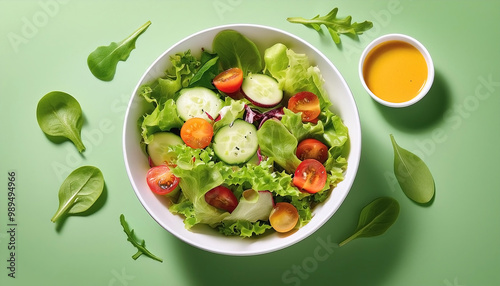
x=419, y=47
x=204, y=237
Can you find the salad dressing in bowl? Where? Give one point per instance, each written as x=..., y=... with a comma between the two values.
x=396, y=70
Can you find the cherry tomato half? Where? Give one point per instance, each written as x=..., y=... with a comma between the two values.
x=310, y=176
x=197, y=133
x=284, y=217
x=312, y=149
x=221, y=198
x=307, y=103
x=161, y=180
x=229, y=81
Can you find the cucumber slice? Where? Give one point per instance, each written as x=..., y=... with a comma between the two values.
x=158, y=148
x=197, y=102
x=236, y=143
x=262, y=90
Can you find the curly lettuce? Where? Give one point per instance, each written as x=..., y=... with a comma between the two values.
x=294, y=73
x=243, y=228
x=163, y=118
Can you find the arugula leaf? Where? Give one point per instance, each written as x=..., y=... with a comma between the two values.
x=335, y=26
x=140, y=245
x=102, y=61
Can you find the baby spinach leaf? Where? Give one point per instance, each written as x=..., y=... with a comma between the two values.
x=236, y=50
x=375, y=218
x=79, y=191
x=335, y=26
x=139, y=244
x=412, y=174
x=60, y=115
x=102, y=61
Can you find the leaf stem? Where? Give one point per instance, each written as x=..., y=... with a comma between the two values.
x=61, y=210
x=347, y=240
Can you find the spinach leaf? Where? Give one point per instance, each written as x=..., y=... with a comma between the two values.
x=236, y=50
x=412, y=174
x=102, y=61
x=140, y=245
x=60, y=115
x=79, y=191
x=335, y=26
x=375, y=218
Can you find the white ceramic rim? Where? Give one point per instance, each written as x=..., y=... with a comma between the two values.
x=421, y=48
x=313, y=225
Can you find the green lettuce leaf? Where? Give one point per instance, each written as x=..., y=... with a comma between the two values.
x=276, y=142
x=185, y=208
x=184, y=66
x=293, y=122
x=261, y=178
x=197, y=178
x=243, y=228
x=294, y=73
x=336, y=133
x=163, y=118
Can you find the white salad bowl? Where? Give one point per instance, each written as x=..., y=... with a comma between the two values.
x=204, y=237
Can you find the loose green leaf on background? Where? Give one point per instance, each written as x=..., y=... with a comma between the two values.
x=60, y=115
x=335, y=26
x=102, y=61
x=375, y=218
x=412, y=174
x=79, y=191
x=139, y=244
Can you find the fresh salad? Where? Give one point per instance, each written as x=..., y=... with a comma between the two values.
x=241, y=141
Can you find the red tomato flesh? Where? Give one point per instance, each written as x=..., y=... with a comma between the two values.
x=307, y=103
x=229, y=81
x=221, y=198
x=310, y=176
x=312, y=149
x=197, y=133
x=161, y=180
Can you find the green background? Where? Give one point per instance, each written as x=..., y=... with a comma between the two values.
x=455, y=240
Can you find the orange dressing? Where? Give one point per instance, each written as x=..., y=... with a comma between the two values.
x=395, y=71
